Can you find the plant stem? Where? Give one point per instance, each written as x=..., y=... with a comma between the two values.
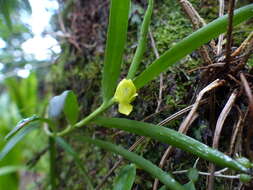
x=52, y=155
x=83, y=122
x=95, y=113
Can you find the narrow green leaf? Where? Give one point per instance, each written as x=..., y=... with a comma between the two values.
x=173, y=138
x=5, y=10
x=142, y=41
x=146, y=165
x=190, y=43
x=76, y=158
x=15, y=139
x=163, y=188
x=64, y=103
x=116, y=38
x=189, y=186
x=125, y=179
x=25, y=122
x=193, y=174
x=20, y=125
x=245, y=178
x=10, y=169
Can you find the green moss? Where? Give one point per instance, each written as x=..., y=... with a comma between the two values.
x=169, y=24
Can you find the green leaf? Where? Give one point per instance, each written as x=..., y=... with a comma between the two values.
x=245, y=178
x=116, y=38
x=10, y=169
x=189, y=186
x=163, y=188
x=244, y=161
x=146, y=165
x=20, y=125
x=6, y=7
x=190, y=43
x=142, y=41
x=25, y=122
x=15, y=139
x=125, y=179
x=65, y=103
x=193, y=174
x=76, y=158
x=173, y=138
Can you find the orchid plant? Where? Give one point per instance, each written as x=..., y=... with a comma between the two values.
x=124, y=94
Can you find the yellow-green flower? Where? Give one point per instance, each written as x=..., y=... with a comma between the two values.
x=124, y=95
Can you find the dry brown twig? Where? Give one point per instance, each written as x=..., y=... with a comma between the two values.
x=249, y=129
x=222, y=117
x=244, y=46
x=230, y=30
x=185, y=124
x=197, y=22
x=238, y=143
x=208, y=66
x=235, y=132
x=221, y=37
x=153, y=44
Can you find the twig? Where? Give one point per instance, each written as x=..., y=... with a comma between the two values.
x=230, y=30
x=208, y=66
x=180, y=113
x=221, y=37
x=218, y=128
x=238, y=144
x=32, y=162
x=236, y=129
x=153, y=44
x=247, y=90
x=216, y=174
x=250, y=130
x=185, y=124
x=245, y=45
x=197, y=22
x=222, y=118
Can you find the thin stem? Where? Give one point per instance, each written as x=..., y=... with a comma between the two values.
x=230, y=30
x=216, y=174
x=52, y=155
x=97, y=112
x=83, y=122
x=142, y=41
x=221, y=37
